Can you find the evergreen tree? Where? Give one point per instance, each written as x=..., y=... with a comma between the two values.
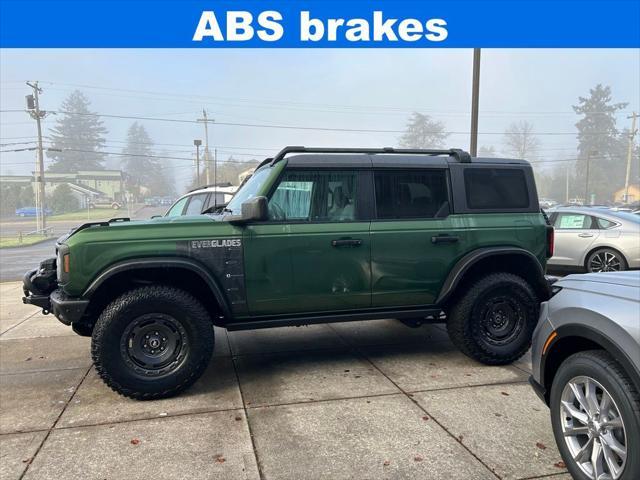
x=599, y=144
x=62, y=199
x=77, y=137
x=423, y=132
x=141, y=168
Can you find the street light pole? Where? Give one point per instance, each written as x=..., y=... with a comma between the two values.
x=632, y=134
x=475, y=101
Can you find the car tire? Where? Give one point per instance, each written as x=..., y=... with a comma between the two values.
x=493, y=320
x=152, y=342
x=610, y=259
x=597, y=365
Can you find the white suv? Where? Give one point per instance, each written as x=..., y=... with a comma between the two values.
x=197, y=201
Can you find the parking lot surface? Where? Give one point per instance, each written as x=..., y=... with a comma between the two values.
x=358, y=400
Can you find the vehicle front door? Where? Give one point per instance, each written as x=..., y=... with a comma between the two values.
x=575, y=232
x=313, y=254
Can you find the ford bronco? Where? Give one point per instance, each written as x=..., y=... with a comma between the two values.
x=315, y=235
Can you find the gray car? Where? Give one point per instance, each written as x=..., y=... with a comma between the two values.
x=586, y=368
x=595, y=239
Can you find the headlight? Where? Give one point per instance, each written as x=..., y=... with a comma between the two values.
x=63, y=264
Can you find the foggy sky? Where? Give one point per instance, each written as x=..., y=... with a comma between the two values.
x=351, y=89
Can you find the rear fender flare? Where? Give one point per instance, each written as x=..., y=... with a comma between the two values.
x=463, y=265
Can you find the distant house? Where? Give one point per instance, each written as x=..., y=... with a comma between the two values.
x=634, y=194
x=84, y=184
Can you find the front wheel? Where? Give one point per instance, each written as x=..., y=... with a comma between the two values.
x=152, y=342
x=493, y=321
x=595, y=415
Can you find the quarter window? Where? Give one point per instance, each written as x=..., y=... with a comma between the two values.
x=495, y=188
x=411, y=194
x=315, y=196
x=605, y=224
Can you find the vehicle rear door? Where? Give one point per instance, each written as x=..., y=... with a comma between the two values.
x=313, y=254
x=575, y=232
x=414, y=239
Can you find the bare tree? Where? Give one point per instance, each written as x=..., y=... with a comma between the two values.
x=520, y=141
x=423, y=132
x=487, y=151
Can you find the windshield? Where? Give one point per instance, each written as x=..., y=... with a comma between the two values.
x=249, y=190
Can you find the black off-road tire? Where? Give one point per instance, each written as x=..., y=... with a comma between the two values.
x=599, y=365
x=111, y=343
x=466, y=318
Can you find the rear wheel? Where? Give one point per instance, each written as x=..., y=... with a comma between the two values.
x=152, y=342
x=493, y=321
x=606, y=260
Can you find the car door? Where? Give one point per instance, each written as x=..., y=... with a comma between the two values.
x=414, y=240
x=313, y=254
x=575, y=232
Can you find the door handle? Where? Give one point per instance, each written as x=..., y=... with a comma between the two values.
x=444, y=239
x=585, y=235
x=346, y=242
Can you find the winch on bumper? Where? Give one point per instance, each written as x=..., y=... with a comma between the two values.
x=41, y=289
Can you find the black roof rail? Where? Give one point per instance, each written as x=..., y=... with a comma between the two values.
x=457, y=153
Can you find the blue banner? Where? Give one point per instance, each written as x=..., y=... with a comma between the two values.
x=318, y=23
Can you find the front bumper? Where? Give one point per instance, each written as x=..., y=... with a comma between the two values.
x=66, y=309
x=41, y=289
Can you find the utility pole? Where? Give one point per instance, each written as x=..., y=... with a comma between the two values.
x=566, y=191
x=197, y=143
x=475, y=100
x=33, y=107
x=632, y=134
x=587, y=199
x=207, y=157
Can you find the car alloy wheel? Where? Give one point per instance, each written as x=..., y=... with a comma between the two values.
x=605, y=261
x=593, y=428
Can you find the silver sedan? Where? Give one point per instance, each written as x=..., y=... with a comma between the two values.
x=595, y=239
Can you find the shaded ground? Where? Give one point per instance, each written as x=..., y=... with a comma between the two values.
x=355, y=400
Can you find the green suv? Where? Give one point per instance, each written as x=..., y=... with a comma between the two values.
x=315, y=235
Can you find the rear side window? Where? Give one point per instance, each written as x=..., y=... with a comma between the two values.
x=411, y=194
x=574, y=221
x=495, y=188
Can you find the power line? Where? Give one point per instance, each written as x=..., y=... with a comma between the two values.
x=292, y=127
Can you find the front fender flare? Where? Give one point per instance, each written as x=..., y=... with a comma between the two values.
x=162, y=262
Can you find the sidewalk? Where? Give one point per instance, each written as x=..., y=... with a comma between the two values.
x=359, y=400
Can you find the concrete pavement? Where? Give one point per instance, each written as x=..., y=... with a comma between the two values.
x=360, y=400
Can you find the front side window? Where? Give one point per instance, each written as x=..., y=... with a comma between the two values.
x=574, y=221
x=177, y=208
x=495, y=188
x=195, y=204
x=411, y=194
x=322, y=196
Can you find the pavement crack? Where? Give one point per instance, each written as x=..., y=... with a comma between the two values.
x=357, y=351
x=53, y=426
x=246, y=413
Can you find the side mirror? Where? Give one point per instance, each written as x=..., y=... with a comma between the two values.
x=255, y=209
